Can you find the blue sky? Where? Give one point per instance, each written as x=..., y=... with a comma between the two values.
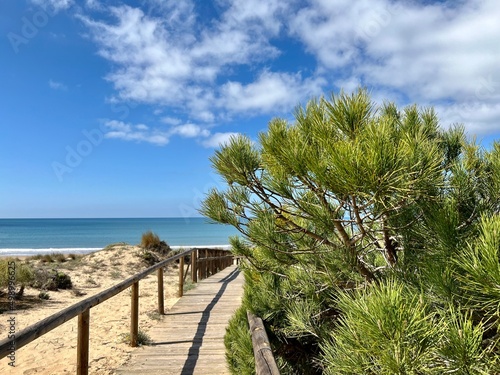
x=112, y=108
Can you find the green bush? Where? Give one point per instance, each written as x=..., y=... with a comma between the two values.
x=384, y=329
x=372, y=237
x=478, y=270
x=24, y=273
x=51, y=280
x=461, y=348
x=238, y=342
x=151, y=241
x=142, y=338
x=62, y=280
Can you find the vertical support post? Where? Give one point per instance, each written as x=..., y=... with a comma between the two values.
x=203, y=264
x=181, y=277
x=210, y=263
x=134, y=321
x=194, y=266
x=161, y=304
x=82, y=350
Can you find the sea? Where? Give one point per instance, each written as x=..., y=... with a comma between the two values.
x=24, y=237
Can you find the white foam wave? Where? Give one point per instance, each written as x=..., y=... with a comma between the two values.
x=87, y=250
x=29, y=252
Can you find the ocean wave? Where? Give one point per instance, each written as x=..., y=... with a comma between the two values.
x=29, y=252
x=87, y=250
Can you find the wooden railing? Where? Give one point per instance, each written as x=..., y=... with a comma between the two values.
x=203, y=263
x=265, y=363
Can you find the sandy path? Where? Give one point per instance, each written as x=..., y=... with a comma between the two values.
x=55, y=352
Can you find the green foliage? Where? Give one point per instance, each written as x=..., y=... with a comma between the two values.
x=387, y=329
x=24, y=273
x=62, y=280
x=461, y=350
x=43, y=295
x=142, y=338
x=478, y=270
x=371, y=237
x=239, y=353
x=151, y=242
x=52, y=258
x=50, y=280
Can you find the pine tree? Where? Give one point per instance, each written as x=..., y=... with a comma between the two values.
x=350, y=196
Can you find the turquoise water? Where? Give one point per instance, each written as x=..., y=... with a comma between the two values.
x=39, y=236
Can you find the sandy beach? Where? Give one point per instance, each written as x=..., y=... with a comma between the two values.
x=55, y=352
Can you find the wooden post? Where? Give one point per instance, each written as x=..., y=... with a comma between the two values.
x=203, y=264
x=161, y=304
x=82, y=350
x=181, y=277
x=134, y=321
x=211, y=263
x=186, y=271
x=194, y=266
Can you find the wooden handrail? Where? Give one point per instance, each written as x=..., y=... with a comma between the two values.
x=265, y=364
x=82, y=310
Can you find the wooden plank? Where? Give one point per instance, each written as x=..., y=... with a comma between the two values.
x=264, y=359
x=190, y=337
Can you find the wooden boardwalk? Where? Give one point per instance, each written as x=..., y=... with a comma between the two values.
x=190, y=338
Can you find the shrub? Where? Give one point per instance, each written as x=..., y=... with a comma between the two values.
x=24, y=273
x=51, y=280
x=384, y=329
x=43, y=295
x=382, y=201
x=59, y=257
x=478, y=269
x=47, y=258
x=62, y=280
x=151, y=241
x=142, y=338
x=149, y=257
x=461, y=350
x=238, y=342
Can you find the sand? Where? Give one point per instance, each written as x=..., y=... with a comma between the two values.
x=55, y=352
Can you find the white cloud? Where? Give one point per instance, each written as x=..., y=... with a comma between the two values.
x=160, y=137
x=57, y=85
x=481, y=118
x=171, y=120
x=54, y=5
x=94, y=4
x=190, y=131
x=210, y=70
x=217, y=139
x=434, y=53
x=270, y=92
x=173, y=61
x=137, y=133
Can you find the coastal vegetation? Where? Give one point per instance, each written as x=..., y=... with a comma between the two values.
x=372, y=240
x=152, y=248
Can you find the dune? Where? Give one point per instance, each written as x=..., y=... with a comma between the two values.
x=55, y=352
